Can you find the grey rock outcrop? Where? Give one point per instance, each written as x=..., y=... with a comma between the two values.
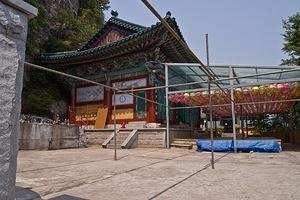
x=9, y=58
x=13, y=32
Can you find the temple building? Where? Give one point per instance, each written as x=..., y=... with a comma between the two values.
x=118, y=55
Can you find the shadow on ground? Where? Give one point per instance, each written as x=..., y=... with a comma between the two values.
x=66, y=197
x=26, y=194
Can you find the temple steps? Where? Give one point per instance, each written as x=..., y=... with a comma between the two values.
x=121, y=137
x=184, y=143
x=127, y=138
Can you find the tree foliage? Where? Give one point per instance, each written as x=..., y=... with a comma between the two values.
x=36, y=34
x=40, y=93
x=67, y=29
x=292, y=39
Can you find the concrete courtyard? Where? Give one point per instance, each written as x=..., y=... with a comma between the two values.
x=91, y=173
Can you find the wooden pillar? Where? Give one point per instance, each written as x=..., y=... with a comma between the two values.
x=151, y=118
x=242, y=122
x=72, y=110
x=108, y=93
x=246, y=126
x=215, y=126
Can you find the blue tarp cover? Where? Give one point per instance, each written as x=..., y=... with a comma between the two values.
x=242, y=145
x=258, y=146
x=219, y=145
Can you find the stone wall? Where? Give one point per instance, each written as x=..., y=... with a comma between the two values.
x=147, y=137
x=97, y=136
x=151, y=138
x=35, y=136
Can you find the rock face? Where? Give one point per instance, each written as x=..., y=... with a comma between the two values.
x=13, y=32
x=9, y=58
x=54, y=6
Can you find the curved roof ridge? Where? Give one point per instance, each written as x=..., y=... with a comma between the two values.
x=134, y=25
x=85, y=51
x=90, y=50
x=116, y=21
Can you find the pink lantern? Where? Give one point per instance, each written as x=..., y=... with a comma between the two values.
x=295, y=90
x=261, y=91
x=279, y=86
x=255, y=93
x=286, y=88
x=246, y=95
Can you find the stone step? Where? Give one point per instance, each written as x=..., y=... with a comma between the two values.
x=112, y=146
x=150, y=146
x=150, y=137
x=149, y=142
x=124, y=132
x=118, y=142
x=120, y=137
x=184, y=142
x=183, y=146
x=150, y=133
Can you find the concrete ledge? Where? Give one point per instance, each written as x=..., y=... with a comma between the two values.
x=130, y=129
x=22, y=6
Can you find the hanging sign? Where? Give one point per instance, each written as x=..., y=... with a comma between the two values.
x=142, y=82
x=91, y=93
x=122, y=99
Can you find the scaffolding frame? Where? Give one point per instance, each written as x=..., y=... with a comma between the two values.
x=167, y=86
x=212, y=79
x=231, y=87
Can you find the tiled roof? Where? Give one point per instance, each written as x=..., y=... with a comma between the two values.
x=86, y=51
x=131, y=27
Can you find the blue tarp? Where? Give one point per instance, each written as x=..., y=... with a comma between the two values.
x=219, y=145
x=258, y=146
x=242, y=145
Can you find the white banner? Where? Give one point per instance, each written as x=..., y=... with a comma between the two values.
x=142, y=82
x=91, y=93
x=122, y=99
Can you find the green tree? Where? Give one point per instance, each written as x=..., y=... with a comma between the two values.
x=67, y=30
x=36, y=34
x=292, y=40
x=41, y=92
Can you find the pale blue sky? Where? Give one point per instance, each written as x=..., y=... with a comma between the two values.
x=240, y=31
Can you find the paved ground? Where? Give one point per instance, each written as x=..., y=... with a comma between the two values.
x=78, y=174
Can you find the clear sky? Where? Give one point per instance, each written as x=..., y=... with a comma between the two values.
x=240, y=31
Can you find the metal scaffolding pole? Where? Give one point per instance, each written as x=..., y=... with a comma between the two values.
x=232, y=109
x=210, y=108
x=167, y=107
x=235, y=66
x=206, y=70
x=237, y=104
x=240, y=85
x=221, y=79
